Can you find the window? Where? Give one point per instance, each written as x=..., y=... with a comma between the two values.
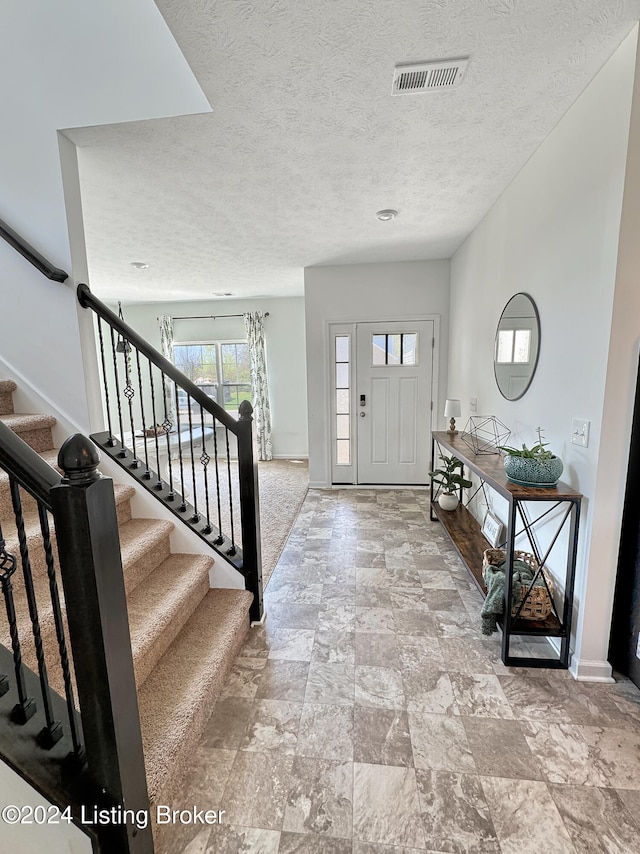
x=343, y=408
x=514, y=346
x=394, y=349
x=220, y=368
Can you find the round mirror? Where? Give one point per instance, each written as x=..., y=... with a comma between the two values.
x=517, y=345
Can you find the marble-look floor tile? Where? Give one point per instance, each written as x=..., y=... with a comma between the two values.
x=226, y=839
x=455, y=624
x=307, y=843
x=255, y=644
x=332, y=617
x=437, y=579
x=326, y=731
x=208, y=774
x=408, y=599
x=455, y=813
x=465, y=656
x=291, y=644
x=283, y=680
x=272, y=725
x=525, y=817
x=227, y=724
x=499, y=749
x=379, y=687
x=330, y=683
x=244, y=678
x=382, y=737
x=631, y=799
x=375, y=848
x=377, y=650
x=443, y=600
x=617, y=753
x=300, y=592
x=379, y=620
x=417, y=653
x=564, y=753
x=440, y=743
x=256, y=791
x=535, y=698
x=386, y=808
x=597, y=819
x=334, y=646
x=320, y=798
x=430, y=691
x=480, y=694
x=294, y=616
x=415, y=623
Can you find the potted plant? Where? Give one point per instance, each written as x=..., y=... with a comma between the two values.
x=450, y=478
x=535, y=466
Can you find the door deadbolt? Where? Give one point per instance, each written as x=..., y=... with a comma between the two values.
x=363, y=400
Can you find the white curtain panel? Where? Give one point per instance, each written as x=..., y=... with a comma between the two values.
x=254, y=324
x=166, y=346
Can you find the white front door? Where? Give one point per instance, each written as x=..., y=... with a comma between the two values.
x=382, y=391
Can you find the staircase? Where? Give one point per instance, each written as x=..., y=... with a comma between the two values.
x=184, y=635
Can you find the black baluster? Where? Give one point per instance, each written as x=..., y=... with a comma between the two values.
x=129, y=393
x=155, y=428
x=111, y=441
x=57, y=618
x=205, y=459
x=52, y=732
x=196, y=516
x=183, y=506
x=219, y=540
x=147, y=473
x=167, y=424
x=232, y=550
x=123, y=451
x=26, y=706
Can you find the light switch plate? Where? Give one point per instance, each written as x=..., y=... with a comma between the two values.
x=580, y=432
x=473, y=404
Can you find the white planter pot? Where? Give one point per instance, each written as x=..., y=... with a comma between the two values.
x=448, y=500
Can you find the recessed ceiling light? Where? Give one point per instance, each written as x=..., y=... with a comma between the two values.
x=139, y=265
x=386, y=214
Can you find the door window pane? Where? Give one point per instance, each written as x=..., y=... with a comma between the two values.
x=394, y=348
x=342, y=426
x=379, y=354
x=342, y=401
x=343, y=452
x=342, y=348
x=505, y=345
x=409, y=348
x=521, y=345
x=342, y=375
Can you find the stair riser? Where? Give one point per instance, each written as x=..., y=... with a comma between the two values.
x=138, y=570
x=6, y=403
x=40, y=439
x=146, y=662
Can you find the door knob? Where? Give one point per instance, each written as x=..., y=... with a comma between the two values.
x=362, y=414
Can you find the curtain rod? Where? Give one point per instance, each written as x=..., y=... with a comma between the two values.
x=209, y=316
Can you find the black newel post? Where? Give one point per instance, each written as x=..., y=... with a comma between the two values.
x=250, y=509
x=91, y=569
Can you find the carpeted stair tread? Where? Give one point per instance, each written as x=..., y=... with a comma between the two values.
x=144, y=544
x=178, y=696
x=35, y=430
x=159, y=608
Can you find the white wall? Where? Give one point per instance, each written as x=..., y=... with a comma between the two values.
x=554, y=235
x=60, y=838
x=360, y=292
x=42, y=46
x=285, y=344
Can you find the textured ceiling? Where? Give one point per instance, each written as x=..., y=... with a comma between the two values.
x=305, y=141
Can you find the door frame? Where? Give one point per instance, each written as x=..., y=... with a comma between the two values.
x=348, y=327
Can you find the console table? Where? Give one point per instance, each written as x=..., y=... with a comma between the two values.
x=558, y=506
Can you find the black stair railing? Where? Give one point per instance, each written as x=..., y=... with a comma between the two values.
x=181, y=445
x=69, y=720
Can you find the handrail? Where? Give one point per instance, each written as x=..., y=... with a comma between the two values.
x=29, y=469
x=32, y=255
x=88, y=300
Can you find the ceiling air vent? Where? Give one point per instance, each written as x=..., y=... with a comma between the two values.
x=428, y=76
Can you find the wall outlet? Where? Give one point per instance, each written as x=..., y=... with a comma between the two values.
x=580, y=432
x=473, y=404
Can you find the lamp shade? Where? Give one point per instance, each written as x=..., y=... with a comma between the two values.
x=452, y=408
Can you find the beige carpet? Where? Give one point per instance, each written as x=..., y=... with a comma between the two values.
x=283, y=485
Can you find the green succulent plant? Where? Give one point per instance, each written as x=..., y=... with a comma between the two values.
x=450, y=476
x=536, y=452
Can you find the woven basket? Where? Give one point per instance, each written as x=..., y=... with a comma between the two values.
x=538, y=604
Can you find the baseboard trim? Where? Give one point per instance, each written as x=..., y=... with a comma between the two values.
x=586, y=670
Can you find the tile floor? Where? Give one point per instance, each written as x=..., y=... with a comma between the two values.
x=370, y=715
